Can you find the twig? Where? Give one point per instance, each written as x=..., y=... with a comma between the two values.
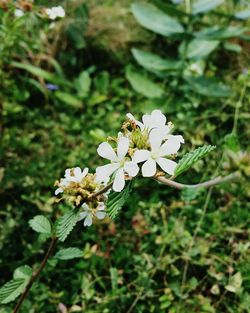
x=37, y=273
x=209, y=183
x=100, y=192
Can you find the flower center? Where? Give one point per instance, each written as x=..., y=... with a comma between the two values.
x=154, y=155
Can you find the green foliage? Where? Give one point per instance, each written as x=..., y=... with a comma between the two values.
x=155, y=20
x=13, y=288
x=140, y=257
x=69, y=253
x=143, y=85
x=191, y=158
x=66, y=223
x=116, y=200
x=40, y=224
x=203, y=6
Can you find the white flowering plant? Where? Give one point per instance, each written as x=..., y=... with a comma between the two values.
x=146, y=148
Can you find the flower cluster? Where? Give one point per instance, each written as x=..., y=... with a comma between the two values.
x=55, y=12
x=149, y=141
x=146, y=146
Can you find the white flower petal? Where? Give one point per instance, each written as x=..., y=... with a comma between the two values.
x=132, y=118
x=149, y=168
x=107, y=152
x=177, y=137
x=85, y=207
x=82, y=215
x=131, y=168
x=155, y=140
x=171, y=146
x=105, y=171
x=119, y=181
x=67, y=173
x=158, y=119
x=168, y=166
x=88, y=220
x=58, y=190
x=122, y=147
x=77, y=173
x=100, y=215
x=101, y=206
x=141, y=156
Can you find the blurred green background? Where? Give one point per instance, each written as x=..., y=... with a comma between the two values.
x=66, y=85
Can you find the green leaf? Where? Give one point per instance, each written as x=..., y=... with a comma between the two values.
x=66, y=224
x=13, y=288
x=69, y=99
x=116, y=200
x=192, y=157
x=37, y=71
x=208, y=87
x=200, y=48
x=155, y=20
x=243, y=15
x=40, y=224
x=203, y=6
x=153, y=61
x=143, y=85
x=235, y=283
x=220, y=33
x=82, y=84
x=69, y=253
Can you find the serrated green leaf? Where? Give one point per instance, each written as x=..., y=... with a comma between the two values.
x=143, y=85
x=69, y=253
x=66, y=224
x=203, y=6
x=116, y=200
x=154, y=62
x=192, y=157
x=156, y=20
x=40, y=224
x=11, y=290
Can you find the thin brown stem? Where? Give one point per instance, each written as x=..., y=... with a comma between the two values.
x=209, y=183
x=36, y=273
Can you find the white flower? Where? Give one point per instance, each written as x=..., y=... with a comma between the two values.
x=75, y=175
x=55, y=12
x=18, y=13
x=88, y=213
x=156, y=122
x=119, y=165
x=157, y=154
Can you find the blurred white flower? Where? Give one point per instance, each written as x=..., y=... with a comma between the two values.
x=55, y=12
x=157, y=155
x=18, y=13
x=88, y=213
x=119, y=164
x=75, y=175
x=156, y=122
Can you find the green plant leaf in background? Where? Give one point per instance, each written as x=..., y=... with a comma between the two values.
x=82, y=84
x=66, y=224
x=40, y=224
x=220, y=33
x=69, y=253
x=203, y=6
x=192, y=157
x=13, y=288
x=208, y=87
x=199, y=48
x=142, y=84
x=69, y=99
x=154, y=62
x=116, y=200
x=155, y=20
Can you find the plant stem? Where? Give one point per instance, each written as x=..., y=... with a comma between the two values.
x=36, y=274
x=209, y=183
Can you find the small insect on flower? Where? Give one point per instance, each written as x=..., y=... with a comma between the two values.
x=88, y=213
